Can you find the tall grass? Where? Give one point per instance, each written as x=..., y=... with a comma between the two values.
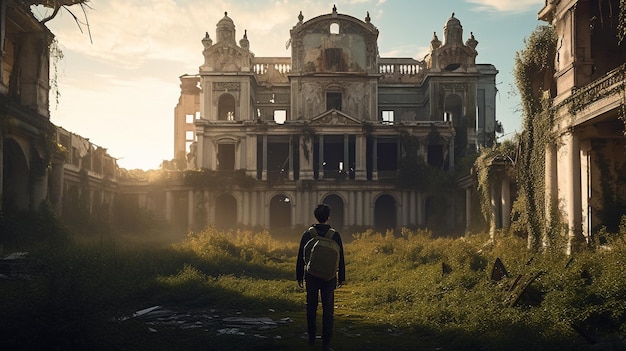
x=404, y=292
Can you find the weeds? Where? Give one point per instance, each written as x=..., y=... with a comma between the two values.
x=404, y=292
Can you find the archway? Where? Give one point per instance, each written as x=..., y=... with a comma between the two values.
x=15, y=177
x=225, y=212
x=336, y=211
x=226, y=108
x=385, y=213
x=435, y=213
x=280, y=212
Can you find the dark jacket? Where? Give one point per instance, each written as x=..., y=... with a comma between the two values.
x=322, y=229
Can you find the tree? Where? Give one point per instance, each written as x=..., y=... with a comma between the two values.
x=56, y=6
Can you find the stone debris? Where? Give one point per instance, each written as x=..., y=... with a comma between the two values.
x=158, y=317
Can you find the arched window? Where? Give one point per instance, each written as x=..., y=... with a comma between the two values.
x=226, y=108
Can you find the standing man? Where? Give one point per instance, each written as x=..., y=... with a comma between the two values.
x=316, y=285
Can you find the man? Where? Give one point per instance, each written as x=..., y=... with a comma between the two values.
x=326, y=288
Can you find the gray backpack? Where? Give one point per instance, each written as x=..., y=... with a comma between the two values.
x=321, y=255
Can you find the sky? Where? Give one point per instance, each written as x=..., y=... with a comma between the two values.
x=118, y=79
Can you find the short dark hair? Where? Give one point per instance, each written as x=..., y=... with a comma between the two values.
x=322, y=212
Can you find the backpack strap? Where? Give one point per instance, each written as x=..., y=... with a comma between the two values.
x=313, y=231
x=330, y=233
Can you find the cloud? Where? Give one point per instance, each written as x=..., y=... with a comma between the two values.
x=516, y=6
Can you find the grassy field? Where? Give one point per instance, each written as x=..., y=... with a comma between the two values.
x=403, y=292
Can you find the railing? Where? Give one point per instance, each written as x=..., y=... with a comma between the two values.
x=610, y=84
x=400, y=66
x=261, y=66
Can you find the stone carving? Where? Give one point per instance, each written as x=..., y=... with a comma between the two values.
x=226, y=86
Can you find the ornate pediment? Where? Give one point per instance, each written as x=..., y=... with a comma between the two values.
x=334, y=117
x=227, y=58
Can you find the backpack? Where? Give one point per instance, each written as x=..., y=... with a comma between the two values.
x=321, y=255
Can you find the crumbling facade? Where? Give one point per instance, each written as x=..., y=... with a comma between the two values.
x=333, y=123
x=586, y=162
x=39, y=161
x=25, y=128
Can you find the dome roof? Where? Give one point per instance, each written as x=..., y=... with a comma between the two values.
x=226, y=22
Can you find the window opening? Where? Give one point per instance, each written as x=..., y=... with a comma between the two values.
x=333, y=100
x=334, y=28
x=280, y=116
x=387, y=117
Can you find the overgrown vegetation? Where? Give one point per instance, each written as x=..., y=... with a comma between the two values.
x=403, y=292
x=533, y=76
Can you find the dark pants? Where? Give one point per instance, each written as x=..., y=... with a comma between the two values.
x=315, y=287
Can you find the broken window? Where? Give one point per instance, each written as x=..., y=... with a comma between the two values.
x=226, y=157
x=387, y=117
x=435, y=155
x=387, y=157
x=280, y=116
x=277, y=157
x=226, y=108
x=333, y=100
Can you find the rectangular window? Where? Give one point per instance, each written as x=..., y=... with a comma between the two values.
x=189, y=119
x=333, y=100
x=387, y=117
x=189, y=135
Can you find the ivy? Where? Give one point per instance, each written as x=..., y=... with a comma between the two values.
x=533, y=76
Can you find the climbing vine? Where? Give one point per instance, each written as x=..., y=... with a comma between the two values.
x=533, y=76
x=308, y=136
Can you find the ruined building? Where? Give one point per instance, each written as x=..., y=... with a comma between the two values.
x=39, y=161
x=267, y=138
x=586, y=163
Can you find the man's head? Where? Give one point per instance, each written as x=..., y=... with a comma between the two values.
x=322, y=212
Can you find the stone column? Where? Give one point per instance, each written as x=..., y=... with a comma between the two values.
x=359, y=208
x=290, y=165
x=375, y=159
x=251, y=161
x=552, y=189
x=585, y=186
x=306, y=163
x=360, y=161
x=168, y=206
x=190, y=209
x=505, y=203
x=264, y=170
x=346, y=155
x=573, y=194
x=320, y=161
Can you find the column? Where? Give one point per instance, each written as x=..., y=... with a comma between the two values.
x=290, y=162
x=451, y=151
x=320, y=166
x=360, y=161
x=351, y=207
x=375, y=159
x=346, y=155
x=190, y=209
x=505, y=203
x=420, y=209
x=573, y=193
x=359, y=208
x=251, y=161
x=404, y=207
x=168, y=206
x=306, y=162
x=264, y=170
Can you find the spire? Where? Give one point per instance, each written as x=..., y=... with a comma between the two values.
x=300, y=17
x=367, y=18
x=472, y=42
x=435, y=43
x=244, y=43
